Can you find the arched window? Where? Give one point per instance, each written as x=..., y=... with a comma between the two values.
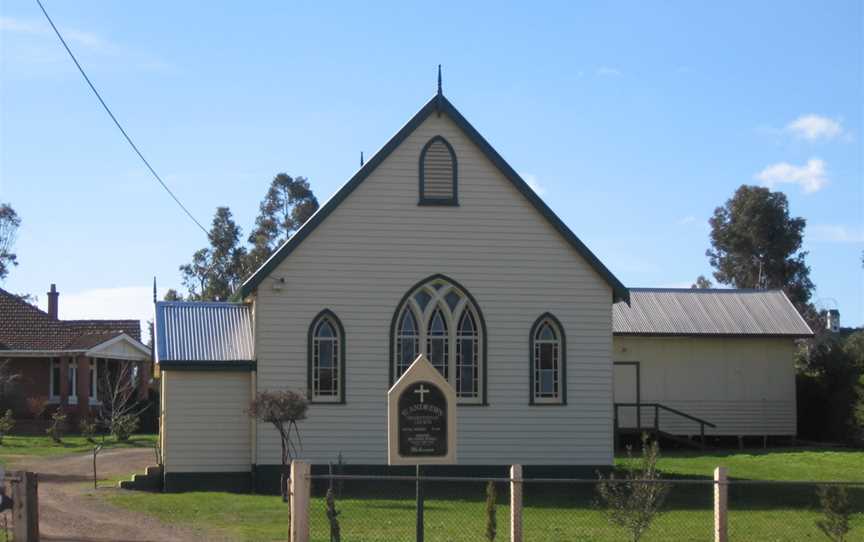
x=438, y=184
x=548, y=363
x=326, y=359
x=440, y=319
x=407, y=341
x=467, y=359
x=436, y=342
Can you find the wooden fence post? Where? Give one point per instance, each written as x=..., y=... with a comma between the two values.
x=300, y=495
x=25, y=508
x=721, y=505
x=516, y=503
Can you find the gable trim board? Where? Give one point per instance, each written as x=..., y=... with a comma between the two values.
x=438, y=104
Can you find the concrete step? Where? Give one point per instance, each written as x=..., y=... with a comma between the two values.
x=143, y=482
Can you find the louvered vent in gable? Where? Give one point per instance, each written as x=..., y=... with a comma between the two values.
x=438, y=173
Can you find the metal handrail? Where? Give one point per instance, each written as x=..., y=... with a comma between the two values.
x=669, y=409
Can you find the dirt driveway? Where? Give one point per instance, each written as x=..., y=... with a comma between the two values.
x=69, y=509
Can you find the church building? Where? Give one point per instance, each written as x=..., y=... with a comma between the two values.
x=437, y=246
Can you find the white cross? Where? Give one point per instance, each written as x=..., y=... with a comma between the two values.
x=422, y=391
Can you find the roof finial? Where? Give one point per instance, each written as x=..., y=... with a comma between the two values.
x=361, y=158
x=439, y=80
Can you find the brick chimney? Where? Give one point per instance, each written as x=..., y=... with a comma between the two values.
x=53, y=297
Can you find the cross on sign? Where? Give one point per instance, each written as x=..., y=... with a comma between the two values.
x=422, y=391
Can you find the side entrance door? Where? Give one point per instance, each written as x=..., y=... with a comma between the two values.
x=627, y=391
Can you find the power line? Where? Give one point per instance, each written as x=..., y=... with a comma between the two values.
x=117, y=123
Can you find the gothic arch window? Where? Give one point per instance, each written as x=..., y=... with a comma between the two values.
x=438, y=184
x=407, y=340
x=441, y=319
x=548, y=362
x=326, y=374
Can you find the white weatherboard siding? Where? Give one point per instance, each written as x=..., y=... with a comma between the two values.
x=746, y=386
x=375, y=246
x=205, y=425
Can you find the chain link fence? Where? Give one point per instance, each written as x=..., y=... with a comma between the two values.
x=384, y=508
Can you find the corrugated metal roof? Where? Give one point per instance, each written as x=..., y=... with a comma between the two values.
x=204, y=331
x=678, y=311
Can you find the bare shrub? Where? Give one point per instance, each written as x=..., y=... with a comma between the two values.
x=57, y=427
x=491, y=511
x=332, y=513
x=120, y=408
x=282, y=409
x=837, y=511
x=87, y=426
x=7, y=422
x=36, y=406
x=634, y=500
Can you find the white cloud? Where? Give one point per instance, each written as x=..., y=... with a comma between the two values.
x=686, y=220
x=609, y=71
x=534, y=183
x=814, y=127
x=129, y=302
x=87, y=40
x=833, y=233
x=811, y=177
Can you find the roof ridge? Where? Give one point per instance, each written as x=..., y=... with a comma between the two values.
x=708, y=290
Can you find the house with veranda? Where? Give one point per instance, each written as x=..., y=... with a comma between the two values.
x=435, y=246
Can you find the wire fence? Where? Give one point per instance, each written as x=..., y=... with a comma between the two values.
x=378, y=508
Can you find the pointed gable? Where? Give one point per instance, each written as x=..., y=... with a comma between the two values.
x=440, y=105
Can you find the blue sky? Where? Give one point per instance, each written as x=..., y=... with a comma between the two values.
x=633, y=120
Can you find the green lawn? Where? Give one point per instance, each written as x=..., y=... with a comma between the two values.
x=771, y=464
x=15, y=446
x=255, y=518
x=555, y=513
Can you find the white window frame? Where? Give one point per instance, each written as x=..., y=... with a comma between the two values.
x=94, y=381
x=338, y=344
x=72, y=375
x=557, y=342
x=423, y=317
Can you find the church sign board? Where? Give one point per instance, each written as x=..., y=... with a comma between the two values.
x=421, y=417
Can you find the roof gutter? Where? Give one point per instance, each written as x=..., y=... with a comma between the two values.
x=39, y=353
x=178, y=365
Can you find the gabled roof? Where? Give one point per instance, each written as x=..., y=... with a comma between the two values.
x=193, y=333
x=437, y=104
x=708, y=312
x=25, y=328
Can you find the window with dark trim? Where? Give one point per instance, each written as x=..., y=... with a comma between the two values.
x=440, y=319
x=55, y=379
x=547, y=349
x=326, y=374
x=438, y=184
